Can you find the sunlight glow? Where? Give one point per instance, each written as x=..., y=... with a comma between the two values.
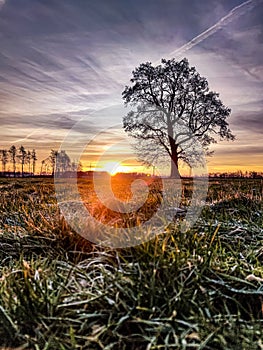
x=113, y=167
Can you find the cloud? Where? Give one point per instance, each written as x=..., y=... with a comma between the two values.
x=234, y=14
x=2, y=3
x=242, y=48
x=241, y=150
x=48, y=128
x=60, y=60
x=250, y=122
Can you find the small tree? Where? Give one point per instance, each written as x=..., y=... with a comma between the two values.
x=34, y=159
x=64, y=161
x=80, y=166
x=74, y=166
x=174, y=108
x=4, y=159
x=42, y=166
x=28, y=160
x=23, y=157
x=13, y=152
x=53, y=158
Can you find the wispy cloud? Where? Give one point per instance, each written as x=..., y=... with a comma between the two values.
x=232, y=15
x=61, y=60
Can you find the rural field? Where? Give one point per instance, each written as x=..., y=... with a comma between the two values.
x=199, y=289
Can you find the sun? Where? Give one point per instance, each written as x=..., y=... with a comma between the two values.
x=112, y=167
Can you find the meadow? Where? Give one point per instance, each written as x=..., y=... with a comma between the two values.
x=199, y=289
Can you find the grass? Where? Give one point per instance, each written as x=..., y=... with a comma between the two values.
x=202, y=289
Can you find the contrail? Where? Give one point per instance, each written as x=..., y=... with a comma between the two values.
x=234, y=14
x=27, y=137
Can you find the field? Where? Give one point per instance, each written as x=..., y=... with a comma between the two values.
x=200, y=289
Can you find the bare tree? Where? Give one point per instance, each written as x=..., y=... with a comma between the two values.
x=174, y=109
x=34, y=159
x=4, y=159
x=64, y=161
x=13, y=152
x=53, y=158
x=28, y=161
x=42, y=165
x=74, y=166
x=22, y=156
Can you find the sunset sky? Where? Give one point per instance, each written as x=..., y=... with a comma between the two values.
x=64, y=60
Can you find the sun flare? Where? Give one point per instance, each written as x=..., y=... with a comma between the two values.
x=112, y=167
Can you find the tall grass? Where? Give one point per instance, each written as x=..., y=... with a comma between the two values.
x=202, y=289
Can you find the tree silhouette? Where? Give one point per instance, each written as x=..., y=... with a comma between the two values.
x=13, y=151
x=60, y=162
x=42, y=165
x=4, y=159
x=22, y=156
x=28, y=161
x=34, y=159
x=65, y=162
x=174, y=108
x=52, y=158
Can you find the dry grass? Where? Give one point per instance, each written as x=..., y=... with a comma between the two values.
x=196, y=290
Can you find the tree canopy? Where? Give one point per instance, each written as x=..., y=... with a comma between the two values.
x=174, y=108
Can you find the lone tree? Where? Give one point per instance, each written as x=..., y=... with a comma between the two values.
x=174, y=109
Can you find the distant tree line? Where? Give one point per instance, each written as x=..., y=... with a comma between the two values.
x=18, y=162
x=58, y=163
x=22, y=161
x=238, y=174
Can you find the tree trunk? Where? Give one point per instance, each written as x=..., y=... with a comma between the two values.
x=174, y=159
x=174, y=167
